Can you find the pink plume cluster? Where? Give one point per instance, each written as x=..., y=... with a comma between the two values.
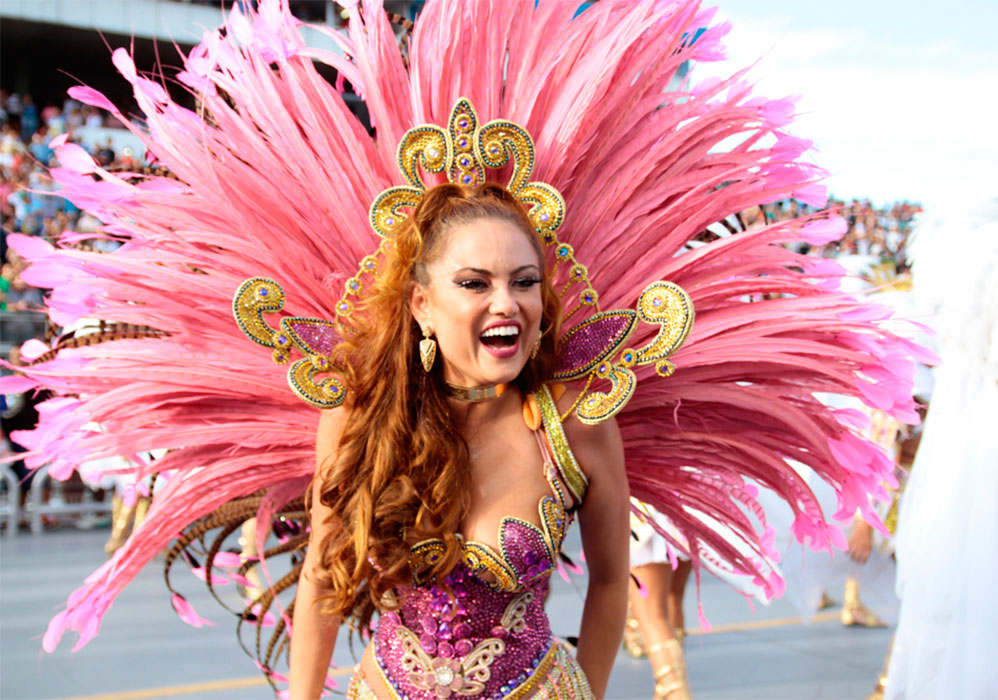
x=274, y=177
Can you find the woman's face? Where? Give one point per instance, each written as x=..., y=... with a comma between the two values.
x=483, y=302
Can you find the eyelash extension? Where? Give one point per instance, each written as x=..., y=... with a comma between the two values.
x=524, y=282
x=470, y=284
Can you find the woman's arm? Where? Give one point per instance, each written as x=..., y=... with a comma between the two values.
x=605, y=524
x=314, y=634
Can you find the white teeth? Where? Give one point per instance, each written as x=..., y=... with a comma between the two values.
x=501, y=330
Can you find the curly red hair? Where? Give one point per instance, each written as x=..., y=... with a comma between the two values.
x=401, y=471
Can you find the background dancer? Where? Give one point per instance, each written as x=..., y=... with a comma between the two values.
x=946, y=548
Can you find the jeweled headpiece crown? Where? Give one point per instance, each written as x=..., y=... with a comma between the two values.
x=464, y=151
x=589, y=350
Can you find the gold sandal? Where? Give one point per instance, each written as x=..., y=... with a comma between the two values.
x=633, y=644
x=670, y=678
x=854, y=613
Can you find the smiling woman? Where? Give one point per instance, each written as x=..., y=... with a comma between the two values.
x=465, y=266
x=480, y=288
x=424, y=498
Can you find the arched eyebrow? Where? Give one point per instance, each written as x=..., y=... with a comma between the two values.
x=488, y=273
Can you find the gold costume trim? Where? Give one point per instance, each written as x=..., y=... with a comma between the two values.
x=565, y=461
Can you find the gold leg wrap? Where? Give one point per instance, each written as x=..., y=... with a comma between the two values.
x=141, y=509
x=121, y=525
x=633, y=643
x=248, y=542
x=669, y=666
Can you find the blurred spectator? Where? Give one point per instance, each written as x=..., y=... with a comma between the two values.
x=105, y=155
x=20, y=413
x=29, y=117
x=881, y=233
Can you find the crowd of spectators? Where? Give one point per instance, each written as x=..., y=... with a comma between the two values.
x=29, y=202
x=305, y=10
x=877, y=232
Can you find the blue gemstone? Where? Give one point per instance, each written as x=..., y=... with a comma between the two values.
x=545, y=217
x=466, y=179
x=656, y=302
x=262, y=292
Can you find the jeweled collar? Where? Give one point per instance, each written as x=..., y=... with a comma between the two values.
x=475, y=394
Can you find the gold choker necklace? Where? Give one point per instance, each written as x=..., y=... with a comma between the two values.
x=475, y=394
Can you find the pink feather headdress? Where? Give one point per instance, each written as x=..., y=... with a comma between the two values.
x=279, y=180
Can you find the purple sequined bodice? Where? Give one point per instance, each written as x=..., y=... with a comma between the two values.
x=491, y=638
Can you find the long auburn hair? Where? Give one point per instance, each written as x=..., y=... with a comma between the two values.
x=401, y=472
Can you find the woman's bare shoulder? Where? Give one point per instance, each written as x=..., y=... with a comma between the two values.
x=332, y=422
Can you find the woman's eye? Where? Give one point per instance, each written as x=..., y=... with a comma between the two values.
x=527, y=282
x=473, y=285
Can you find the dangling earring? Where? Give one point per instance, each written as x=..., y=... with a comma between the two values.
x=427, y=350
x=537, y=346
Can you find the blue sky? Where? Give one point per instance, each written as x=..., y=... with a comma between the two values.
x=900, y=98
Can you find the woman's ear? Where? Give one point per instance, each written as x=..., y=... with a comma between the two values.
x=419, y=305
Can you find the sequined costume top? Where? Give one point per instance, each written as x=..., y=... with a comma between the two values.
x=491, y=638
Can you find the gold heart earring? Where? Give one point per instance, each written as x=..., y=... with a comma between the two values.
x=427, y=350
x=537, y=346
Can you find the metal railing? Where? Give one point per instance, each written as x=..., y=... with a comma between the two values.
x=17, y=327
x=37, y=508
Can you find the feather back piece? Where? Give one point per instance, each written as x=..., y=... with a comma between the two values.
x=273, y=176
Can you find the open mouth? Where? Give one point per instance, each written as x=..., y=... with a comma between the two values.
x=500, y=337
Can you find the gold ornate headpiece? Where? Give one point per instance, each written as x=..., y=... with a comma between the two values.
x=465, y=150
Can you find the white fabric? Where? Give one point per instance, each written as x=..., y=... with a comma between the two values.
x=947, y=538
x=809, y=573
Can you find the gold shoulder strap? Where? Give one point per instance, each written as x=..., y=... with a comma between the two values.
x=569, y=469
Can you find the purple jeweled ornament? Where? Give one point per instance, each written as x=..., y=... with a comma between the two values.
x=319, y=338
x=590, y=341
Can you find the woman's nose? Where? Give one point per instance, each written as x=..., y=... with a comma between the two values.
x=502, y=302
